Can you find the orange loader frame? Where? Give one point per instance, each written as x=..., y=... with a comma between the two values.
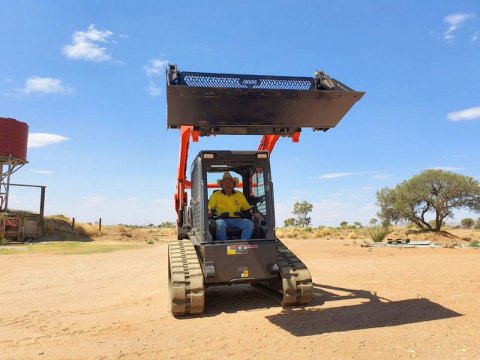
x=181, y=197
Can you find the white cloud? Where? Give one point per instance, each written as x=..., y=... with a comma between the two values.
x=454, y=21
x=155, y=67
x=335, y=175
x=85, y=45
x=475, y=36
x=46, y=172
x=37, y=140
x=154, y=90
x=345, y=174
x=467, y=114
x=45, y=85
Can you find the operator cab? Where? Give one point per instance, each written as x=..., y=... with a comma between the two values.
x=252, y=185
x=252, y=168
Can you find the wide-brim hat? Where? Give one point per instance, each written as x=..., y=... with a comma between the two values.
x=227, y=175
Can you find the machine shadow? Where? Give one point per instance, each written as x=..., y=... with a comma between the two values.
x=232, y=299
x=375, y=312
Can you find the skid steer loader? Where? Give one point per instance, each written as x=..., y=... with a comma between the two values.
x=204, y=104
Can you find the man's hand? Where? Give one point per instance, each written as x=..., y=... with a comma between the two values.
x=211, y=212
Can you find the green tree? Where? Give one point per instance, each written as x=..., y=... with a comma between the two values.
x=357, y=224
x=300, y=212
x=467, y=223
x=289, y=222
x=434, y=192
x=344, y=224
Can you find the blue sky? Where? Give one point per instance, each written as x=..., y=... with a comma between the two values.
x=88, y=78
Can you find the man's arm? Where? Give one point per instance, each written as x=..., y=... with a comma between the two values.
x=243, y=202
x=212, y=202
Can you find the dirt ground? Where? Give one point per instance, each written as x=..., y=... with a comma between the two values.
x=369, y=303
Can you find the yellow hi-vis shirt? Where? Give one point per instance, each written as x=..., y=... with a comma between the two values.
x=231, y=204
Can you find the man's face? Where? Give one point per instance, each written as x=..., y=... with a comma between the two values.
x=228, y=184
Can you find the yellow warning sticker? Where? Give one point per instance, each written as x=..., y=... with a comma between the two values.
x=245, y=273
x=239, y=249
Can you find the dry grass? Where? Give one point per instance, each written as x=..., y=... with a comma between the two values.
x=77, y=248
x=59, y=227
x=70, y=247
x=311, y=233
x=448, y=235
x=59, y=237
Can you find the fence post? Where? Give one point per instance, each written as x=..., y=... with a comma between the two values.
x=73, y=223
x=100, y=224
x=42, y=204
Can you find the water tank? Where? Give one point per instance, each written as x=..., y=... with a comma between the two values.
x=13, y=139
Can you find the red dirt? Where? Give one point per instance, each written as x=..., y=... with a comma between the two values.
x=369, y=303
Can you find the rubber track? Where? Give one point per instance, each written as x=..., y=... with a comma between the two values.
x=296, y=280
x=187, y=288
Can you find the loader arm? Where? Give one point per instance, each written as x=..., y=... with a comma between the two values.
x=183, y=184
x=181, y=199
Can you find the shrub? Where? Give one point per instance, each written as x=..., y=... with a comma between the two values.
x=475, y=244
x=323, y=232
x=167, y=224
x=378, y=233
x=353, y=235
x=467, y=223
x=411, y=225
x=120, y=229
x=3, y=241
x=477, y=224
